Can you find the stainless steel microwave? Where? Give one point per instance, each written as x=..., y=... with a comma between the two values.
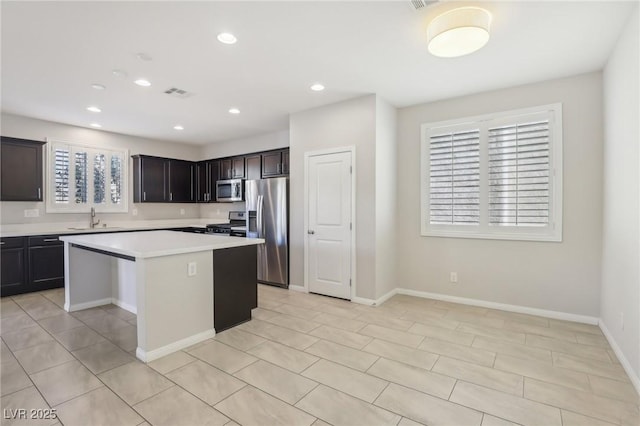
x=229, y=191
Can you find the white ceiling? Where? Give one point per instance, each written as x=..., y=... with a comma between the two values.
x=53, y=51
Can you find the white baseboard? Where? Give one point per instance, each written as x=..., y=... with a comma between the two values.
x=377, y=302
x=299, y=288
x=633, y=376
x=87, y=305
x=148, y=356
x=127, y=307
x=585, y=319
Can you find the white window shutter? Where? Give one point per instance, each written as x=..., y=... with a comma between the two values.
x=454, y=177
x=519, y=168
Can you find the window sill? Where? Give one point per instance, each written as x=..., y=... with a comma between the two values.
x=551, y=238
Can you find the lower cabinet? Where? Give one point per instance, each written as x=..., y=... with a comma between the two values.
x=235, y=286
x=31, y=264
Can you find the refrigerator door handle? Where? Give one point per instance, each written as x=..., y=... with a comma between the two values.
x=259, y=216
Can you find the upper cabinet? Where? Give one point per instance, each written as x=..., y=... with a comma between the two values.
x=207, y=174
x=21, y=172
x=253, y=165
x=232, y=168
x=162, y=180
x=275, y=163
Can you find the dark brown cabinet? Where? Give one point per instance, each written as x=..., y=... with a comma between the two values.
x=253, y=164
x=232, y=168
x=31, y=264
x=13, y=272
x=21, y=170
x=207, y=176
x=180, y=177
x=275, y=163
x=162, y=180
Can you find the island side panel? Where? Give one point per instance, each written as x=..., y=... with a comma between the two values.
x=87, y=281
x=123, y=285
x=175, y=310
x=235, y=285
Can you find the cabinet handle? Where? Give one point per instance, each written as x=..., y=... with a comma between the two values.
x=48, y=240
x=2, y=243
x=39, y=193
x=144, y=196
x=171, y=196
x=279, y=168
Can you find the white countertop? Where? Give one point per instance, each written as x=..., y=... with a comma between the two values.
x=157, y=243
x=70, y=228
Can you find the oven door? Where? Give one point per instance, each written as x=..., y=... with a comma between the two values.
x=229, y=191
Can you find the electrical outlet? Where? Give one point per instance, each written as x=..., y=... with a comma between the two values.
x=453, y=277
x=182, y=211
x=192, y=269
x=134, y=212
x=621, y=320
x=31, y=213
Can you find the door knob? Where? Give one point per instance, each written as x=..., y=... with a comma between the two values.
x=311, y=232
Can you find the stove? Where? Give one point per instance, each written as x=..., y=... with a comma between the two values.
x=237, y=226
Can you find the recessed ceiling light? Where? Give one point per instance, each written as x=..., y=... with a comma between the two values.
x=234, y=111
x=98, y=86
x=119, y=73
x=178, y=127
x=227, y=38
x=142, y=82
x=143, y=56
x=317, y=87
x=94, y=109
x=96, y=125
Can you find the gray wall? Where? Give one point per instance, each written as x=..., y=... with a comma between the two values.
x=31, y=128
x=621, y=255
x=561, y=277
x=349, y=123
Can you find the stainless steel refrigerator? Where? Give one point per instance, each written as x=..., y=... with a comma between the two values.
x=267, y=217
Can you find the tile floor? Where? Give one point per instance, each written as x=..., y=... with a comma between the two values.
x=307, y=359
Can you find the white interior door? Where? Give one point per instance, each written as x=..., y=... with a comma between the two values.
x=329, y=224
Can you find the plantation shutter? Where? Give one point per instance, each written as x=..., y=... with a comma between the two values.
x=454, y=177
x=61, y=175
x=519, y=170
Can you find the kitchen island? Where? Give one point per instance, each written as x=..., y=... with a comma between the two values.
x=169, y=279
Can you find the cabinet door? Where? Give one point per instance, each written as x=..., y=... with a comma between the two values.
x=271, y=164
x=226, y=168
x=12, y=279
x=203, y=188
x=180, y=181
x=285, y=162
x=152, y=178
x=238, y=167
x=253, y=165
x=214, y=176
x=46, y=267
x=21, y=172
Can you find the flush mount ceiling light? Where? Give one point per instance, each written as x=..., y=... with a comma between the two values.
x=142, y=82
x=178, y=127
x=96, y=125
x=234, y=111
x=227, y=38
x=317, y=87
x=98, y=86
x=458, y=32
x=93, y=109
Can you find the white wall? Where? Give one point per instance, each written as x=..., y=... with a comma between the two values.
x=349, y=123
x=248, y=145
x=34, y=129
x=385, y=208
x=561, y=277
x=620, y=293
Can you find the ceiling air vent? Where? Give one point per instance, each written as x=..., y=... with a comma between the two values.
x=421, y=4
x=178, y=93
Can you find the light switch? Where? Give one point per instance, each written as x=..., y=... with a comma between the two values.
x=192, y=269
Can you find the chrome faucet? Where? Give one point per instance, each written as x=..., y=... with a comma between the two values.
x=93, y=224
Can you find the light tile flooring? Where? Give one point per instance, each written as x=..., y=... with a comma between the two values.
x=307, y=359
